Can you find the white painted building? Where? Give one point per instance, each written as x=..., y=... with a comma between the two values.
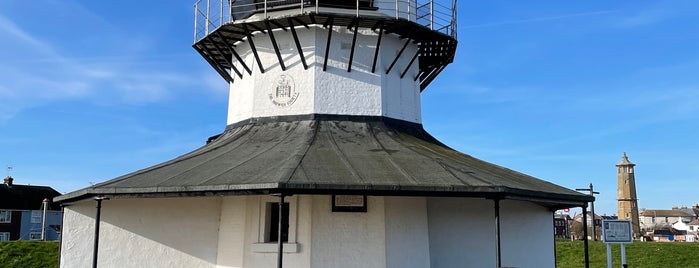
x=324, y=158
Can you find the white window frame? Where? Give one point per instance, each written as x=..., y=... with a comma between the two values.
x=5, y=216
x=36, y=216
x=33, y=235
x=4, y=236
x=263, y=222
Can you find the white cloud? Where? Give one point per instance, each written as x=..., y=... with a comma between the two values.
x=538, y=19
x=39, y=71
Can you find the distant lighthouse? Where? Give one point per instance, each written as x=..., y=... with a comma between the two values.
x=628, y=202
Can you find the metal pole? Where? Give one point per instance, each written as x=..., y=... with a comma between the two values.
x=208, y=9
x=43, y=220
x=497, y=233
x=196, y=15
x=97, y=230
x=623, y=256
x=431, y=14
x=397, y=9
x=609, y=255
x=594, y=223
x=280, y=243
x=592, y=193
x=587, y=254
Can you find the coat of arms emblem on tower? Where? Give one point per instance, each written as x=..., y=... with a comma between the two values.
x=283, y=91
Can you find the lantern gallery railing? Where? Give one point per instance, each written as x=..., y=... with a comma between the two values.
x=438, y=15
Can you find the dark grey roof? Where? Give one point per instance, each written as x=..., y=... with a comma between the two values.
x=330, y=155
x=665, y=213
x=26, y=197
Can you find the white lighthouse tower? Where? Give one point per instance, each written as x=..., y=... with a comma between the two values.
x=323, y=161
x=330, y=57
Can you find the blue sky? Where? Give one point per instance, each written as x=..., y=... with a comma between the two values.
x=90, y=90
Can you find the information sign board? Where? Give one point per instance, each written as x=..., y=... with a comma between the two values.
x=616, y=231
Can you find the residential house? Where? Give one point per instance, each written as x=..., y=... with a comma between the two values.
x=22, y=214
x=560, y=225
x=652, y=219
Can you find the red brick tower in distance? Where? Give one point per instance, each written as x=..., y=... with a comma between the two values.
x=628, y=203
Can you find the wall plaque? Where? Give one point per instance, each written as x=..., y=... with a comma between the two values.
x=349, y=203
x=283, y=91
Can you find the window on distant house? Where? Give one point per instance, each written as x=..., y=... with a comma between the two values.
x=4, y=236
x=665, y=219
x=35, y=236
x=36, y=216
x=5, y=216
x=272, y=225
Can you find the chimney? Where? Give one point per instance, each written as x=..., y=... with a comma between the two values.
x=674, y=208
x=8, y=181
x=695, y=205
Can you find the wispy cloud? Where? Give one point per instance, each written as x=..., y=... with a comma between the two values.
x=643, y=17
x=538, y=19
x=35, y=70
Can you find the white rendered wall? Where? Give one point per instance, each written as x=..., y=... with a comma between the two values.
x=334, y=91
x=462, y=232
x=348, y=240
x=407, y=237
x=526, y=231
x=163, y=232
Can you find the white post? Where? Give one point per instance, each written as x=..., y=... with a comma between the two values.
x=208, y=9
x=43, y=221
x=609, y=255
x=397, y=9
x=623, y=255
x=196, y=9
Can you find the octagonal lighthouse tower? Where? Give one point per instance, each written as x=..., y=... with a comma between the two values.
x=328, y=57
x=324, y=161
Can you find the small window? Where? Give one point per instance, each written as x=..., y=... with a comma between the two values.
x=4, y=236
x=5, y=216
x=272, y=234
x=35, y=236
x=36, y=216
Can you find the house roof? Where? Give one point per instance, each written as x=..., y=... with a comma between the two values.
x=665, y=213
x=694, y=222
x=26, y=197
x=323, y=154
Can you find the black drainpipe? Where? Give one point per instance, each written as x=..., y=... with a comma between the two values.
x=97, y=229
x=280, y=243
x=497, y=233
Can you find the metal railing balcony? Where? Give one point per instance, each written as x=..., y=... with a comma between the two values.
x=437, y=15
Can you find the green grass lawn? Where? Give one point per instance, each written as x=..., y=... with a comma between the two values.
x=638, y=254
x=37, y=254
x=28, y=254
